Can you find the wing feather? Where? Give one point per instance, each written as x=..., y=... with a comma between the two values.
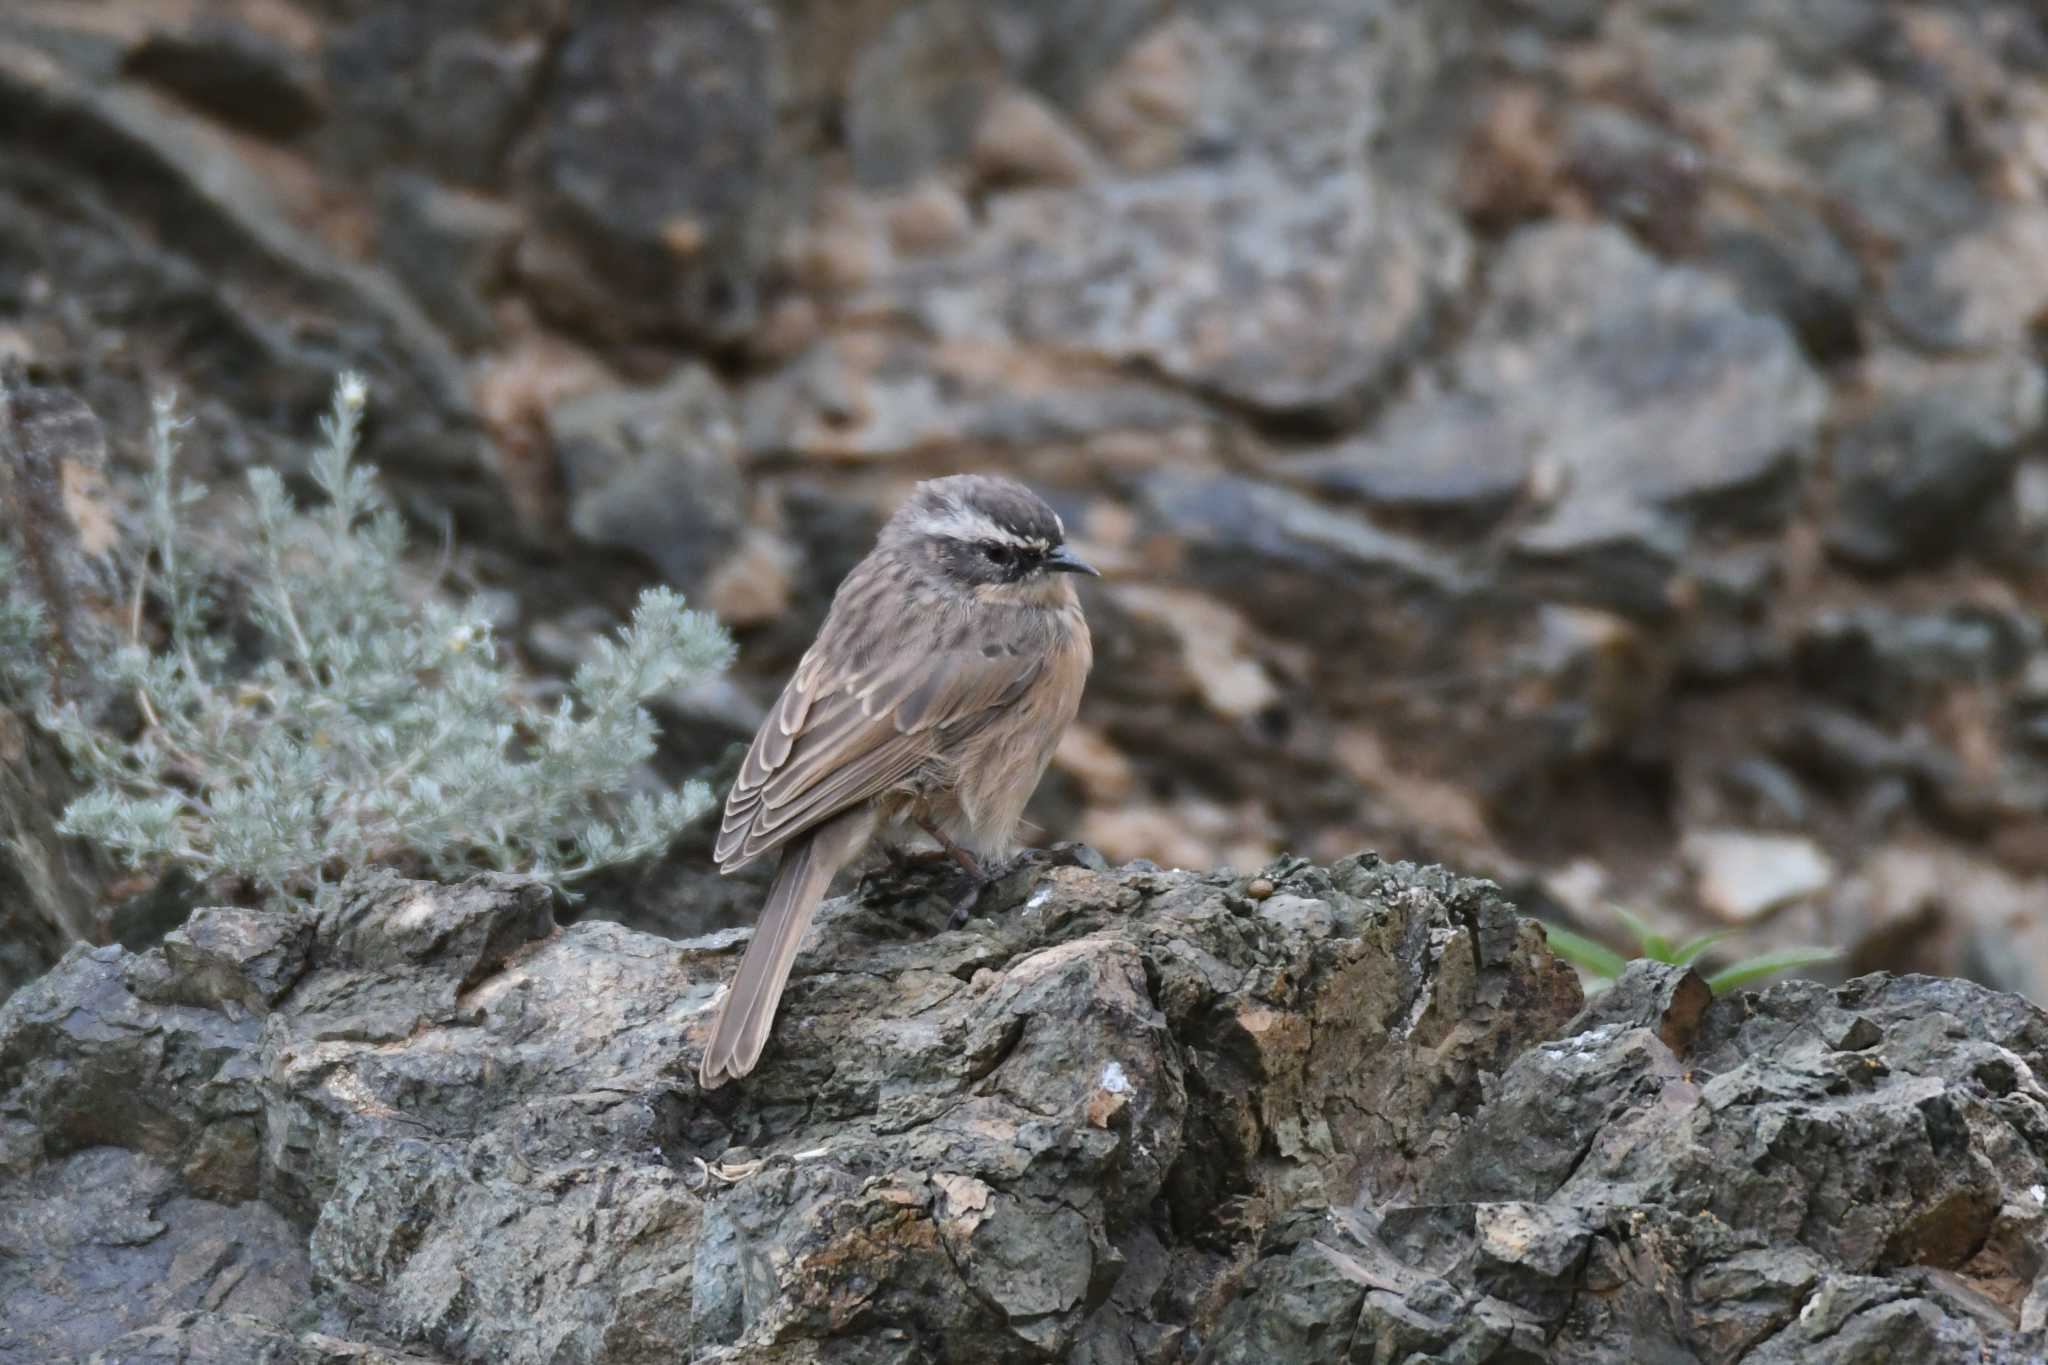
x=830, y=743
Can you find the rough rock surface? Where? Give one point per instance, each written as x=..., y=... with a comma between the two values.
x=1809, y=1174
x=1132, y=1116
x=478, y=1137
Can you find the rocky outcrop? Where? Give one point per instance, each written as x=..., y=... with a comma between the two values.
x=1346, y=1113
x=1810, y=1174
x=1060, y=1132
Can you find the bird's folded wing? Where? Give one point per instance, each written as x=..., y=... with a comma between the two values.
x=832, y=742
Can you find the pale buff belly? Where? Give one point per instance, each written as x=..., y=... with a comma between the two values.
x=978, y=799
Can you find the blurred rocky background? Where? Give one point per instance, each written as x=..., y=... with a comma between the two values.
x=1597, y=445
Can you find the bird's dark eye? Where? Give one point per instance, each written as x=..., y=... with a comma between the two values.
x=1000, y=554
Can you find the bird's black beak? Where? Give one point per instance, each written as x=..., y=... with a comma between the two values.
x=1064, y=560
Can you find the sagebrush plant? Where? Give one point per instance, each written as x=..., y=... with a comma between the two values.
x=1605, y=964
x=23, y=669
x=368, y=724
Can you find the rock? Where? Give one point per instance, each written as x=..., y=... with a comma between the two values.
x=754, y=586
x=1603, y=551
x=1234, y=524
x=1150, y=108
x=1971, y=916
x=1742, y=876
x=920, y=88
x=1061, y=47
x=1882, y=165
x=1766, y=792
x=1851, y=753
x=1594, y=669
x=1977, y=289
x=1637, y=400
x=458, y=1102
x=237, y=1338
x=1022, y=141
x=655, y=168
x=1670, y=1001
x=1290, y=299
x=56, y=522
x=226, y=957
x=655, y=471
x=1654, y=399
x=121, y=216
x=1335, y=1293
x=235, y=73
x=61, y=530
x=1132, y=1111
x=438, y=85
x=1461, y=460
x=915, y=94
x=1309, y=92
x=1824, y=1175
x=451, y=249
x=106, y=1241
x=1915, y=477
x=1787, y=262
x=91, y=1059
x=1893, y=665
x=871, y=397
x=1644, y=176
x=929, y=218
x=49, y=888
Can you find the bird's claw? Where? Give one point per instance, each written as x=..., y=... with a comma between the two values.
x=965, y=906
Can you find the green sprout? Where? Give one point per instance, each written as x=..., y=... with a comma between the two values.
x=1605, y=964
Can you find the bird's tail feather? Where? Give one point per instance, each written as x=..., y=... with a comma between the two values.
x=808, y=865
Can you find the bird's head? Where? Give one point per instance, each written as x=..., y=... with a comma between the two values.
x=986, y=535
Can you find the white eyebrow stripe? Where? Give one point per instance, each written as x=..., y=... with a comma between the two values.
x=960, y=523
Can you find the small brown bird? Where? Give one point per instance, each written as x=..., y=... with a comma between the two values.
x=949, y=665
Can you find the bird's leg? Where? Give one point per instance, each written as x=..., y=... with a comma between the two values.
x=952, y=850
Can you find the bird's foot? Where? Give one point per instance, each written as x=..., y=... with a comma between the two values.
x=968, y=901
x=1029, y=860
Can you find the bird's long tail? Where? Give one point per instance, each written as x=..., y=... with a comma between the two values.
x=808, y=865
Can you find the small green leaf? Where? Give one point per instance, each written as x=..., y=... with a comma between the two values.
x=1689, y=952
x=1654, y=945
x=1767, y=964
x=1581, y=951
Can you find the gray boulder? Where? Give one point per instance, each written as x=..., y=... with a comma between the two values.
x=1848, y=1174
